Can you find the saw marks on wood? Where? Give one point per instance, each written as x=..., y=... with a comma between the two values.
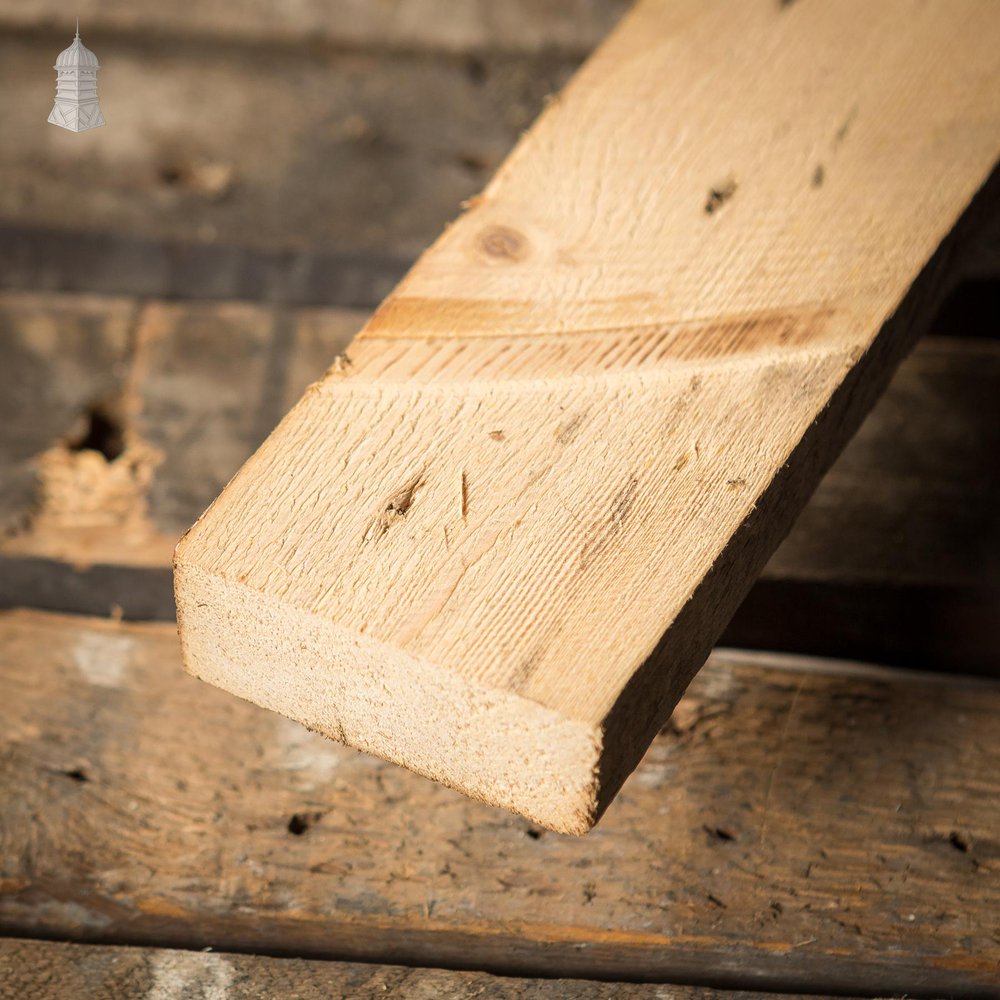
x=497, y=539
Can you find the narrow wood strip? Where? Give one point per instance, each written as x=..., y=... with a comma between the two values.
x=45, y=970
x=790, y=831
x=674, y=304
x=120, y=262
x=914, y=625
x=476, y=26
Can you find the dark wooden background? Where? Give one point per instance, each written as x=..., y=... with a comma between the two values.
x=169, y=285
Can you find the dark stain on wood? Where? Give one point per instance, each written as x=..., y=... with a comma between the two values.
x=503, y=244
x=719, y=195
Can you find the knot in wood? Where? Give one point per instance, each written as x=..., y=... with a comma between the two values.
x=501, y=243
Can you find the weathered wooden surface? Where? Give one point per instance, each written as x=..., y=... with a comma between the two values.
x=56, y=358
x=896, y=557
x=790, y=829
x=44, y=970
x=572, y=26
x=114, y=440
x=358, y=160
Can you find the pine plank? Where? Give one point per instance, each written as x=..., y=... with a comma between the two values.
x=651, y=334
x=45, y=970
x=791, y=829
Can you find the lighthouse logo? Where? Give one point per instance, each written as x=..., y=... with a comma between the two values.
x=76, y=106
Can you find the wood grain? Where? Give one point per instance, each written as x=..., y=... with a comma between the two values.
x=54, y=971
x=651, y=335
x=790, y=829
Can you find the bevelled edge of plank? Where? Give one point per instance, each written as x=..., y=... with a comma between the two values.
x=708, y=414
x=50, y=970
x=491, y=744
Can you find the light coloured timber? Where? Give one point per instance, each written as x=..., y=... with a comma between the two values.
x=497, y=540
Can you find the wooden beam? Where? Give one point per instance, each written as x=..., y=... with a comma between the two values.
x=47, y=970
x=496, y=542
x=792, y=828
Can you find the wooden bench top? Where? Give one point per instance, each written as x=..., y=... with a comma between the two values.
x=793, y=828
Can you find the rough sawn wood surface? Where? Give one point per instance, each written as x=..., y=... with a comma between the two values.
x=497, y=540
